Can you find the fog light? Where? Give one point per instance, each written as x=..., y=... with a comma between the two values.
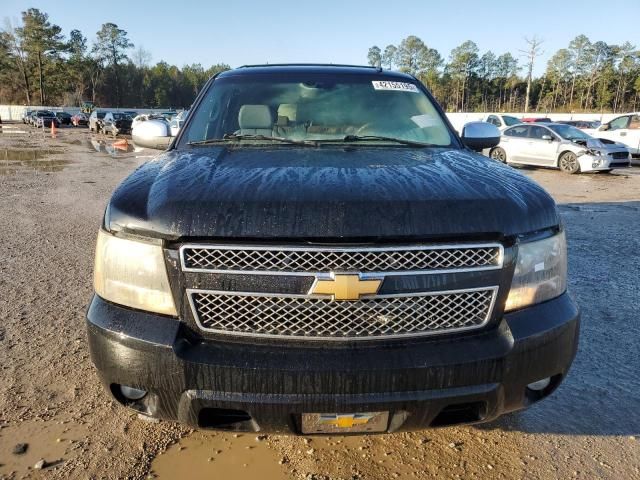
x=131, y=393
x=540, y=384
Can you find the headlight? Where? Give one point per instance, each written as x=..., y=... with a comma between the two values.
x=132, y=273
x=540, y=274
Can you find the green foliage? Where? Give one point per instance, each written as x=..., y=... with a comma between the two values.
x=585, y=76
x=374, y=57
x=38, y=65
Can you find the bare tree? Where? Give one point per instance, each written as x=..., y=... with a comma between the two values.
x=141, y=57
x=532, y=52
x=20, y=56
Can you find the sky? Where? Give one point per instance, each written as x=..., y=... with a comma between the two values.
x=337, y=31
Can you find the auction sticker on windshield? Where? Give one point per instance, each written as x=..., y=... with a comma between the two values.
x=401, y=86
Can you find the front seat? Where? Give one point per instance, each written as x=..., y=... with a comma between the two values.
x=255, y=120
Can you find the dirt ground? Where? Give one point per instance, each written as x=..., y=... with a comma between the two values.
x=52, y=196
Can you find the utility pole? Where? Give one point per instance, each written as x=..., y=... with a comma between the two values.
x=531, y=53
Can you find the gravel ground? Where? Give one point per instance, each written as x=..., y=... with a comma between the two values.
x=50, y=398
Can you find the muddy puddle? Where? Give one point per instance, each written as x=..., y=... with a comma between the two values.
x=14, y=160
x=113, y=148
x=36, y=441
x=245, y=457
x=206, y=455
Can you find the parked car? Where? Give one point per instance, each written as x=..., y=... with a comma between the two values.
x=44, y=119
x=115, y=123
x=582, y=124
x=80, y=119
x=282, y=266
x=501, y=120
x=26, y=116
x=32, y=118
x=143, y=117
x=64, y=118
x=536, y=120
x=168, y=115
x=95, y=121
x=177, y=122
x=624, y=129
x=559, y=146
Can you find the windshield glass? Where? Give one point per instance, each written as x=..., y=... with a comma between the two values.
x=510, y=121
x=569, y=132
x=316, y=107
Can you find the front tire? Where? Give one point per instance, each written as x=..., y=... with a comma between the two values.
x=499, y=154
x=568, y=163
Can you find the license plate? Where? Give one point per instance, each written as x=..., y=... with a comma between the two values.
x=365, y=422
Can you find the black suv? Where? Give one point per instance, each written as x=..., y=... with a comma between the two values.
x=115, y=123
x=318, y=251
x=64, y=118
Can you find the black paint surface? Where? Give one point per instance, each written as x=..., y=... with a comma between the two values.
x=330, y=194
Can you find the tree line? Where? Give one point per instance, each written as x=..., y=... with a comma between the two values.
x=585, y=76
x=39, y=65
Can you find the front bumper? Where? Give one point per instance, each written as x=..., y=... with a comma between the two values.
x=597, y=163
x=432, y=381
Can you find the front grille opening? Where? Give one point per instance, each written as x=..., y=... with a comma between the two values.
x=283, y=259
x=224, y=419
x=318, y=318
x=460, y=413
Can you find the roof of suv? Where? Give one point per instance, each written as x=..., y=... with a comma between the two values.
x=312, y=68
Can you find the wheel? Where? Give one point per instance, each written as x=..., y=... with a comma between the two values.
x=568, y=163
x=499, y=154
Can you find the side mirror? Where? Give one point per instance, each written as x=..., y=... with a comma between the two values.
x=547, y=137
x=480, y=135
x=603, y=128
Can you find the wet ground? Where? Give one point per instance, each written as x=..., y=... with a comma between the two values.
x=52, y=195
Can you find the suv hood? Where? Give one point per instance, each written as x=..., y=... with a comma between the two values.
x=328, y=193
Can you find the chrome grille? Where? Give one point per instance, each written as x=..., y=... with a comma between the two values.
x=268, y=315
x=283, y=260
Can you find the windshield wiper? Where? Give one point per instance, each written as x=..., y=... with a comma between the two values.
x=233, y=136
x=374, y=138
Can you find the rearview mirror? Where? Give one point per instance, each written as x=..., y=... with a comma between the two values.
x=480, y=135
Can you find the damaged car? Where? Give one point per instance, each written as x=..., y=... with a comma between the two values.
x=558, y=145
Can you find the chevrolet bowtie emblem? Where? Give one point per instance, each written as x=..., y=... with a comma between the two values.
x=346, y=286
x=346, y=421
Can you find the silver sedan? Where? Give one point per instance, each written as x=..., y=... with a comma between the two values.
x=559, y=146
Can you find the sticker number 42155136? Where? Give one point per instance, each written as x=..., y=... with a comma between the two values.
x=399, y=86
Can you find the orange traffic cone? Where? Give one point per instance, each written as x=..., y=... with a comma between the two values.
x=53, y=129
x=121, y=144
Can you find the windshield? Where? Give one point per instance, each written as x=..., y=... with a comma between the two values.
x=316, y=107
x=568, y=132
x=510, y=121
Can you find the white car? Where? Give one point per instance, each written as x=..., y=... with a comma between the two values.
x=559, y=146
x=624, y=129
x=177, y=122
x=501, y=120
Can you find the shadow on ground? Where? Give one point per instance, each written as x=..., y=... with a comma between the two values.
x=601, y=395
